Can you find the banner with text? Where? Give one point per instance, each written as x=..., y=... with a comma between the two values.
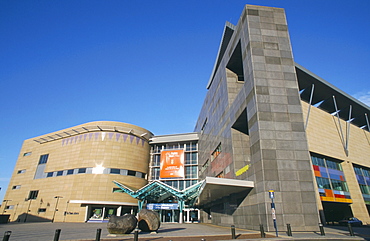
x=172, y=164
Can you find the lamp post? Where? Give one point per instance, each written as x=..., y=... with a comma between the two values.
x=6, y=202
x=56, y=205
x=272, y=196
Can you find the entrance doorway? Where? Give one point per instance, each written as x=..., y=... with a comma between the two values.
x=336, y=211
x=191, y=215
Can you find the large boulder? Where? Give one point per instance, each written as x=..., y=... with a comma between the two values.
x=148, y=221
x=121, y=224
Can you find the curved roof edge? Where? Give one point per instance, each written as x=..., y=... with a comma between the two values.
x=96, y=126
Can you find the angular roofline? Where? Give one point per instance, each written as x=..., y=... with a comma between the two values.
x=229, y=29
x=331, y=86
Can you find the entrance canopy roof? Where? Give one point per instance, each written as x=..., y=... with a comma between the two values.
x=214, y=188
x=157, y=191
x=202, y=193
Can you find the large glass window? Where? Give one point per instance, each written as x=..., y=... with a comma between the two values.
x=329, y=176
x=43, y=159
x=363, y=179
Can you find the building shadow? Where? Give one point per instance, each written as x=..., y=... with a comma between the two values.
x=28, y=218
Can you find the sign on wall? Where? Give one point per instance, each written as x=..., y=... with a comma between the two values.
x=162, y=206
x=172, y=164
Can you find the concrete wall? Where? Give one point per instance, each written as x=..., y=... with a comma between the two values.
x=278, y=154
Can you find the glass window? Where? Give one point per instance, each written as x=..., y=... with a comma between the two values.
x=42, y=210
x=318, y=161
x=366, y=172
x=323, y=183
x=70, y=171
x=21, y=171
x=339, y=185
x=333, y=165
x=9, y=207
x=191, y=146
x=16, y=187
x=216, y=152
x=114, y=171
x=190, y=158
x=116, y=189
x=204, y=167
x=180, y=184
x=358, y=171
x=43, y=159
x=187, y=158
x=364, y=189
x=156, y=160
x=155, y=173
x=131, y=173
x=50, y=174
x=60, y=173
x=33, y=194
x=191, y=171
x=82, y=170
x=27, y=153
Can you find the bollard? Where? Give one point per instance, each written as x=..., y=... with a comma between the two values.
x=136, y=235
x=350, y=230
x=203, y=239
x=262, y=230
x=7, y=235
x=57, y=234
x=98, y=234
x=233, y=232
x=322, y=232
x=289, y=229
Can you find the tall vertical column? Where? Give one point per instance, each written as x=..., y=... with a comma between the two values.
x=279, y=152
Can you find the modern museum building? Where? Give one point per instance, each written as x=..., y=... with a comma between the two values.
x=269, y=131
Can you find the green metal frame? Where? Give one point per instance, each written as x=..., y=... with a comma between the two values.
x=157, y=191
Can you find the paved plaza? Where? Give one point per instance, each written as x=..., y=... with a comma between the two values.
x=167, y=231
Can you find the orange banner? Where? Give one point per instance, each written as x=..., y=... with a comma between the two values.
x=172, y=164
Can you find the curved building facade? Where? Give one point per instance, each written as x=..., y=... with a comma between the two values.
x=67, y=175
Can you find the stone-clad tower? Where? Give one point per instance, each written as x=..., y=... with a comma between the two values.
x=253, y=114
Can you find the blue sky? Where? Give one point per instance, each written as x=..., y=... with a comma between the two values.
x=64, y=63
